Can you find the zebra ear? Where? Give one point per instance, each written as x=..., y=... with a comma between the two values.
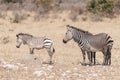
x=68, y=26
x=17, y=35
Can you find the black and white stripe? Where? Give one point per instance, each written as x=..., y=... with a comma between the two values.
x=47, y=43
x=36, y=43
x=90, y=43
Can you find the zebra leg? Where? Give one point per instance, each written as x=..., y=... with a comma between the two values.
x=109, y=60
x=83, y=53
x=109, y=55
x=106, y=58
x=89, y=57
x=105, y=55
x=94, y=57
x=50, y=53
x=31, y=50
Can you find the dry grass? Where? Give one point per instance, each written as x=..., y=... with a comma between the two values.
x=67, y=56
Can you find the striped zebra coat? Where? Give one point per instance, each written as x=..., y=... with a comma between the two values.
x=91, y=43
x=36, y=43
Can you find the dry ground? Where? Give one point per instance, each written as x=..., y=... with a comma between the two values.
x=67, y=56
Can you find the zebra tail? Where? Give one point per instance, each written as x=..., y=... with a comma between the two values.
x=53, y=50
x=110, y=41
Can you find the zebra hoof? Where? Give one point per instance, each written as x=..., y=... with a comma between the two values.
x=51, y=63
x=90, y=64
x=84, y=64
x=103, y=64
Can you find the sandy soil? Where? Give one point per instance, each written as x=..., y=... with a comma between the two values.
x=67, y=56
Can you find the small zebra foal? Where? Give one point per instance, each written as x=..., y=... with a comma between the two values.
x=36, y=43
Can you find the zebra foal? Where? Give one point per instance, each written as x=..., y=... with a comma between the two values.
x=36, y=43
x=91, y=43
x=91, y=55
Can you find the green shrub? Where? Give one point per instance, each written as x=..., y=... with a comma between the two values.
x=12, y=1
x=101, y=6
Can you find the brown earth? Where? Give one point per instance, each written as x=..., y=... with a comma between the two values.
x=67, y=57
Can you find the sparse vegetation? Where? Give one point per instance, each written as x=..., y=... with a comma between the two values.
x=18, y=64
x=5, y=40
x=46, y=4
x=18, y=17
x=117, y=6
x=10, y=1
x=101, y=6
x=43, y=7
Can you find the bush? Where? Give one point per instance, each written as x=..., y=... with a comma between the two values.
x=12, y=1
x=117, y=4
x=101, y=6
x=46, y=4
x=117, y=7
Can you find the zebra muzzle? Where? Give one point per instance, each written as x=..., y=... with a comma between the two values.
x=64, y=41
x=18, y=46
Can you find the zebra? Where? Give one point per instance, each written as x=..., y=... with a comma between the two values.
x=91, y=55
x=36, y=43
x=91, y=43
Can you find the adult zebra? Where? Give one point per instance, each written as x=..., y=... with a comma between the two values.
x=36, y=43
x=91, y=43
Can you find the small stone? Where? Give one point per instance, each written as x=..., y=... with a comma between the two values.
x=75, y=74
x=39, y=73
x=10, y=67
x=64, y=74
x=51, y=76
x=95, y=75
x=49, y=68
x=75, y=68
x=68, y=71
x=25, y=68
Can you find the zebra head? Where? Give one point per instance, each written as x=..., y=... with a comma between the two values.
x=68, y=35
x=19, y=40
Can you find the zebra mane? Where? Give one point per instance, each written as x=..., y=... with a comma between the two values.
x=24, y=34
x=81, y=30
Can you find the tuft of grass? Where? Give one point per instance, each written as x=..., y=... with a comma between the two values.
x=46, y=4
x=18, y=17
x=96, y=17
x=5, y=40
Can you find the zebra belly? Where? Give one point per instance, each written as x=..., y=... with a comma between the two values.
x=91, y=48
x=39, y=47
x=94, y=49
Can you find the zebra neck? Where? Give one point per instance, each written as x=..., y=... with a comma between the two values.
x=25, y=40
x=78, y=39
